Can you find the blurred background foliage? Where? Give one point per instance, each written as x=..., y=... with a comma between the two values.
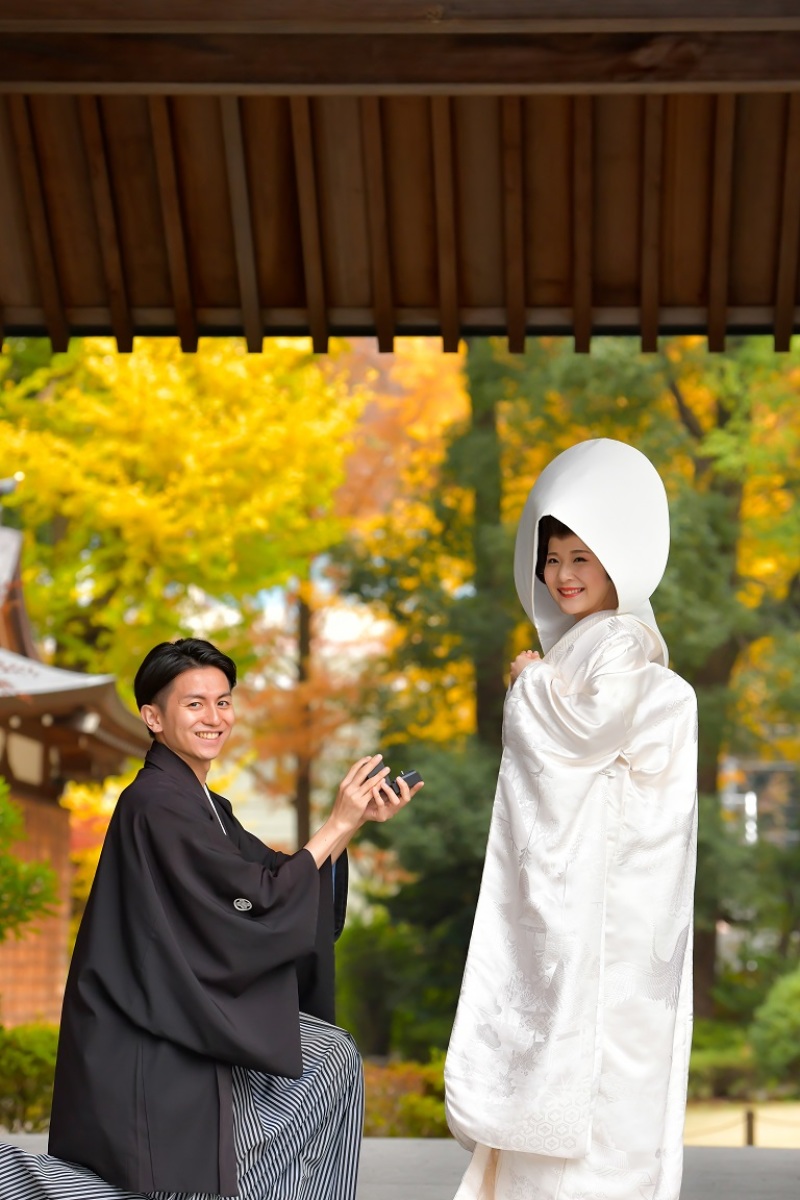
x=28, y=890
x=269, y=501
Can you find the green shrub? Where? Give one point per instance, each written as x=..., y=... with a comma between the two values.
x=422, y=1117
x=27, y=1067
x=775, y=1033
x=373, y=979
x=722, y=1063
x=729, y=1073
x=405, y=1099
x=717, y=1035
x=743, y=987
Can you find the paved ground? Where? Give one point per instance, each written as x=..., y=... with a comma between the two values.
x=408, y=1169
x=397, y=1169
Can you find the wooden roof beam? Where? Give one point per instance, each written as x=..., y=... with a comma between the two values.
x=582, y=221
x=41, y=241
x=252, y=16
x=241, y=220
x=362, y=63
x=721, y=205
x=378, y=223
x=180, y=279
x=789, y=236
x=444, y=201
x=513, y=222
x=310, y=232
x=652, y=172
x=105, y=216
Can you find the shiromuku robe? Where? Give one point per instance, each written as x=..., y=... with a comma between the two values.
x=198, y=950
x=568, y=1062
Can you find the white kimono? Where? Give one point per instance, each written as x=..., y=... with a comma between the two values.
x=568, y=1061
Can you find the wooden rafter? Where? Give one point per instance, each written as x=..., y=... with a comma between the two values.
x=513, y=222
x=652, y=172
x=582, y=216
x=377, y=221
x=169, y=194
x=41, y=241
x=105, y=216
x=444, y=200
x=789, y=236
x=241, y=220
x=308, y=200
x=721, y=205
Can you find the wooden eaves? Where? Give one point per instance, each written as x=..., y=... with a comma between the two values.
x=390, y=167
x=77, y=723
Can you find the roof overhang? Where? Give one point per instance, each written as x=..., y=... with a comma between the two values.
x=389, y=167
x=80, y=717
x=87, y=705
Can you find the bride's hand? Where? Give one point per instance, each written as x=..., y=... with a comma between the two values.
x=522, y=661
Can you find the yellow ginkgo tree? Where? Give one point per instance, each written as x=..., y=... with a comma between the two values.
x=157, y=481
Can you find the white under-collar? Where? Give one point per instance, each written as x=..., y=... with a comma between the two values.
x=214, y=809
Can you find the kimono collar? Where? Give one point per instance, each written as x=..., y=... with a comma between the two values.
x=586, y=635
x=166, y=760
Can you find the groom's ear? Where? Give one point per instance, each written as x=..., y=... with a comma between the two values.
x=152, y=717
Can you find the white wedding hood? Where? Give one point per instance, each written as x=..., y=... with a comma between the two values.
x=612, y=497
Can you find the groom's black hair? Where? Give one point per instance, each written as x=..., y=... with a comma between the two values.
x=166, y=661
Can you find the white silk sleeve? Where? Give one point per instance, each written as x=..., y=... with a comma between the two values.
x=585, y=718
x=598, y=752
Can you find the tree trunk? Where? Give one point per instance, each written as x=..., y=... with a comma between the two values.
x=705, y=969
x=302, y=798
x=482, y=470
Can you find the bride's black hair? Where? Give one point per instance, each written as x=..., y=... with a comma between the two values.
x=549, y=527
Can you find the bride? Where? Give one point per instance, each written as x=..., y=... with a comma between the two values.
x=567, y=1067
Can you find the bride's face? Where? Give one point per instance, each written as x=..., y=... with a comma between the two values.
x=576, y=579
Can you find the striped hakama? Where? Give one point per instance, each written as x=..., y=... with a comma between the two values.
x=296, y=1139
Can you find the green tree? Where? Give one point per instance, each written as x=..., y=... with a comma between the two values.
x=155, y=481
x=373, y=984
x=443, y=578
x=159, y=486
x=723, y=431
x=775, y=1032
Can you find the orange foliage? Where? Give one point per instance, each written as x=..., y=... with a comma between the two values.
x=404, y=1099
x=416, y=396
x=398, y=445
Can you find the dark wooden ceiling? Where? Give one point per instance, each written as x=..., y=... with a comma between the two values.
x=391, y=167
